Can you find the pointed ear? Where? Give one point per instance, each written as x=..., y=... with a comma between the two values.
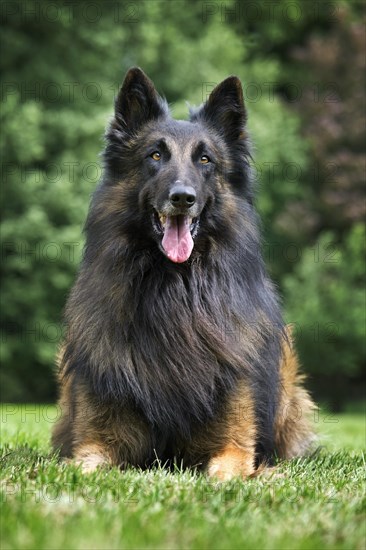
x=225, y=109
x=138, y=101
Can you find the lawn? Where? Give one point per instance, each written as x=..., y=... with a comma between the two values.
x=312, y=503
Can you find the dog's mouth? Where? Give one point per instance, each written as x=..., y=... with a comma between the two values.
x=178, y=233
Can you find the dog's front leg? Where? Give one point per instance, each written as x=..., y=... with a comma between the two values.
x=226, y=446
x=93, y=434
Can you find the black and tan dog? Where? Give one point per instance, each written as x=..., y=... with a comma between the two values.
x=176, y=348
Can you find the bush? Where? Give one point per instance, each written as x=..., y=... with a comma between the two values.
x=325, y=300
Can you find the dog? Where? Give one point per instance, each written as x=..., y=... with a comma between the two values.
x=176, y=349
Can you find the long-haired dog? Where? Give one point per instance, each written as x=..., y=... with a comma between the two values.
x=176, y=348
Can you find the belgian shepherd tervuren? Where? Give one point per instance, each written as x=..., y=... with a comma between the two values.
x=176, y=348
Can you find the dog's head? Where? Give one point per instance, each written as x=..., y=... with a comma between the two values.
x=179, y=176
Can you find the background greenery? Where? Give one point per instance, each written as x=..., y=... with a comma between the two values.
x=302, y=67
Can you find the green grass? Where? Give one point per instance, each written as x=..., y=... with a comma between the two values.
x=317, y=503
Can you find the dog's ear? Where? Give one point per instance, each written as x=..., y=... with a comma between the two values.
x=138, y=101
x=225, y=109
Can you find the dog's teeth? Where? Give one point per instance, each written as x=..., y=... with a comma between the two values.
x=162, y=220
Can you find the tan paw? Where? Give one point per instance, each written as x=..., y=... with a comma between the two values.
x=232, y=462
x=90, y=457
x=90, y=463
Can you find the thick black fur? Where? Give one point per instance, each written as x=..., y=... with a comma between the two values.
x=170, y=339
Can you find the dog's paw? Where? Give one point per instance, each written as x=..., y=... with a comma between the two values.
x=90, y=459
x=232, y=462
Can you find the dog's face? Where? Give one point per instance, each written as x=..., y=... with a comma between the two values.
x=181, y=170
x=181, y=164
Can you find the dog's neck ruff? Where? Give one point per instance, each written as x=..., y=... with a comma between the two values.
x=178, y=342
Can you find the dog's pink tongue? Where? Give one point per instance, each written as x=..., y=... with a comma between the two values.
x=177, y=241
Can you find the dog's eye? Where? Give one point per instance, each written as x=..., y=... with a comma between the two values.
x=204, y=159
x=155, y=155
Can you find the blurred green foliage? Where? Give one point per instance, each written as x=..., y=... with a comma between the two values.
x=61, y=67
x=329, y=281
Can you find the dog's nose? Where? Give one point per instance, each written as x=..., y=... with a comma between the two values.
x=182, y=196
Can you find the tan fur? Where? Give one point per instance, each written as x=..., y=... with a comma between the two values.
x=226, y=446
x=238, y=430
x=294, y=434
